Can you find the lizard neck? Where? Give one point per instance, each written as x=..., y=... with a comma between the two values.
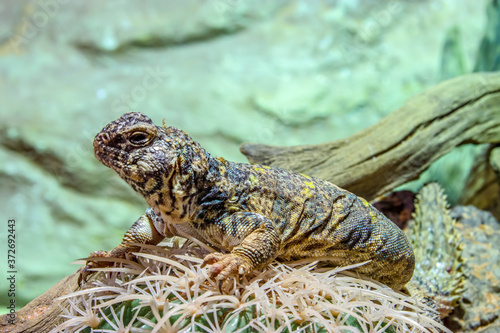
x=177, y=198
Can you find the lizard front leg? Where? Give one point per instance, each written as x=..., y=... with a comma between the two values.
x=253, y=241
x=143, y=231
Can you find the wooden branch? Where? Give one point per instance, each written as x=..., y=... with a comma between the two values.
x=402, y=145
x=482, y=187
x=43, y=313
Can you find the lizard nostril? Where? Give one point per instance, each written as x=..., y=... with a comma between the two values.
x=103, y=137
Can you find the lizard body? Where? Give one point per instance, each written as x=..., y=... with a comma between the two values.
x=252, y=213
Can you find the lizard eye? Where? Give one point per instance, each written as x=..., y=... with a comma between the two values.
x=140, y=138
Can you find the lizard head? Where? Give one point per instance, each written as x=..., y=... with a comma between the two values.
x=142, y=153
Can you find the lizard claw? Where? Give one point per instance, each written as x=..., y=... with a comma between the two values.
x=219, y=285
x=224, y=265
x=121, y=251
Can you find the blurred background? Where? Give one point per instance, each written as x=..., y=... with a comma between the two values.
x=226, y=71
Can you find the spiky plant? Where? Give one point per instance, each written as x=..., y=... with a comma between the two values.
x=166, y=290
x=438, y=255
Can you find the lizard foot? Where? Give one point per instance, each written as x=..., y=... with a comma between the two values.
x=123, y=251
x=224, y=265
x=86, y=271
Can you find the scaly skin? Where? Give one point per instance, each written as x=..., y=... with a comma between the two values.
x=251, y=213
x=436, y=238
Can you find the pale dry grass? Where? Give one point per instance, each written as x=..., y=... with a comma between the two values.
x=168, y=291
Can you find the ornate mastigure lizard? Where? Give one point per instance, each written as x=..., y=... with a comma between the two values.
x=251, y=213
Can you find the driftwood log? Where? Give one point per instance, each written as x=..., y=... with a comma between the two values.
x=43, y=313
x=483, y=185
x=403, y=144
x=369, y=163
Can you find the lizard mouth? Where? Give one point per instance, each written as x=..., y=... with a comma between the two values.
x=107, y=155
x=100, y=147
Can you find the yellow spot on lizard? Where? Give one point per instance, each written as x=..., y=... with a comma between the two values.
x=370, y=212
x=261, y=168
x=307, y=190
x=222, y=159
x=253, y=180
x=222, y=170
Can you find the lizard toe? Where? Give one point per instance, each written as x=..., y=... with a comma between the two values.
x=225, y=265
x=212, y=258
